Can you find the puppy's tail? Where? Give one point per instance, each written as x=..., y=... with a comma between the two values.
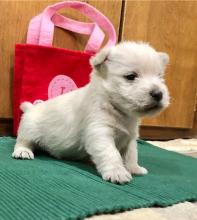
x=26, y=106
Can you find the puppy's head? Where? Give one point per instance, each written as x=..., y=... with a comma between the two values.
x=132, y=76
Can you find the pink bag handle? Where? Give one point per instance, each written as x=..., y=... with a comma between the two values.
x=95, y=39
x=96, y=34
x=47, y=26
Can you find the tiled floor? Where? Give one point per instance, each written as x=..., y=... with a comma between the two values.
x=181, y=211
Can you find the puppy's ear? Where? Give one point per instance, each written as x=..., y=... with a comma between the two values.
x=164, y=58
x=98, y=61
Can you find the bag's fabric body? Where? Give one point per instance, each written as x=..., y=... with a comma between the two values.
x=46, y=72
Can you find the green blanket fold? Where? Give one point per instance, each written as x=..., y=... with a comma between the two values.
x=50, y=189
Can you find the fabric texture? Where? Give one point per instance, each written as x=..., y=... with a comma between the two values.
x=46, y=188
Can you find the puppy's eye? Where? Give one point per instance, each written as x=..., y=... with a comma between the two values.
x=131, y=76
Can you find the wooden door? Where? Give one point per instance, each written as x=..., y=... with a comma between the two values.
x=14, y=18
x=169, y=26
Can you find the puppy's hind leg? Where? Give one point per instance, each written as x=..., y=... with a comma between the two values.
x=23, y=150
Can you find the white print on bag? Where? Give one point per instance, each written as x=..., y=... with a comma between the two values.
x=59, y=85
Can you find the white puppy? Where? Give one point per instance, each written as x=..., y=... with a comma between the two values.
x=101, y=119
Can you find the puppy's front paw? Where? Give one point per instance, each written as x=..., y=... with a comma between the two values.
x=137, y=170
x=117, y=175
x=23, y=153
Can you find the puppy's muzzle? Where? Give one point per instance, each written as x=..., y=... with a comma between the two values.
x=156, y=102
x=156, y=95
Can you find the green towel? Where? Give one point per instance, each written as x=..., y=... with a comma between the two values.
x=50, y=189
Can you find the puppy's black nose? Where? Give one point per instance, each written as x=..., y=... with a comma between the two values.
x=157, y=96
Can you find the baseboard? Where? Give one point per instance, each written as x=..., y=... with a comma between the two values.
x=6, y=127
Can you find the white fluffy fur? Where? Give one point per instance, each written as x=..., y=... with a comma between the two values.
x=101, y=119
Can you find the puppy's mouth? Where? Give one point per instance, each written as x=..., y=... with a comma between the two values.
x=151, y=108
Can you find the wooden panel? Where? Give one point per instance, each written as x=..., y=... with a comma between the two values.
x=14, y=18
x=155, y=133
x=169, y=26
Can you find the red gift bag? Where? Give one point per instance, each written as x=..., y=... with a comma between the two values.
x=42, y=71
